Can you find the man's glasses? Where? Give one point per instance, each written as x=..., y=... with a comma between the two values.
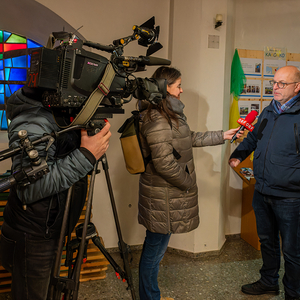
x=280, y=84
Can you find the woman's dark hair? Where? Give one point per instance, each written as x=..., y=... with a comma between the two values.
x=164, y=107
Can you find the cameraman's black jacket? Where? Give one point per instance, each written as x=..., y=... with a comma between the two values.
x=45, y=199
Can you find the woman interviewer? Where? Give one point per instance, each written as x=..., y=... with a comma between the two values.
x=168, y=193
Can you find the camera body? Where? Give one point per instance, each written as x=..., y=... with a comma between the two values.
x=69, y=74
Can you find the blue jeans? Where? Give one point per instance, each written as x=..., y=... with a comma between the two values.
x=276, y=215
x=154, y=249
x=29, y=259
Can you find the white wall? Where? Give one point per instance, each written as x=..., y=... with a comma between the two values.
x=273, y=23
x=203, y=80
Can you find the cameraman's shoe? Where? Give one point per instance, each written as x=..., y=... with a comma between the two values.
x=258, y=288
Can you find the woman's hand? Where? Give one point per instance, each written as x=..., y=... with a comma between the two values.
x=228, y=135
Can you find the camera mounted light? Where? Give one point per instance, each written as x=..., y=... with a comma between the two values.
x=147, y=34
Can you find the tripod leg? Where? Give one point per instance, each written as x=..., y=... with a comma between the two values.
x=77, y=267
x=70, y=285
x=56, y=268
x=122, y=245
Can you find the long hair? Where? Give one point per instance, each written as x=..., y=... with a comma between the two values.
x=164, y=107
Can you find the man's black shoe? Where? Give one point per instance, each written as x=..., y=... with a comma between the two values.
x=287, y=297
x=258, y=288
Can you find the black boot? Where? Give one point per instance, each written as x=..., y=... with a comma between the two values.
x=258, y=288
x=287, y=297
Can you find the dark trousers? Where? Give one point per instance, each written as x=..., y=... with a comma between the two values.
x=29, y=259
x=276, y=215
x=154, y=249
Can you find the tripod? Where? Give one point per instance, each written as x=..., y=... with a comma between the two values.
x=69, y=286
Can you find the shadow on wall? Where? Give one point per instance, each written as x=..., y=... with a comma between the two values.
x=32, y=20
x=197, y=110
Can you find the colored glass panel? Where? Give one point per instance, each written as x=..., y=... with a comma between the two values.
x=12, y=70
x=10, y=47
x=4, y=121
x=18, y=74
x=15, y=87
x=7, y=72
x=7, y=91
x=6, y=35
x=8, y=63
x=32, y=44
x=16, y=39
x=19, y=62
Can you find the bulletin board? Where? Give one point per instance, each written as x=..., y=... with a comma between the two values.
x=259, y=70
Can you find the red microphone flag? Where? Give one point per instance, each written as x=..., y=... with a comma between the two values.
x=247, y=122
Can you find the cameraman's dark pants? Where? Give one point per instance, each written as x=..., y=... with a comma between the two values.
x=29, y=259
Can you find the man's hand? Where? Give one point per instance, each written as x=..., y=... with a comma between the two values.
x=234, y=162
x=98, y=143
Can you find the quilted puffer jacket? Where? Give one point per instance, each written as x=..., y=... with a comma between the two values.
x=168, y=193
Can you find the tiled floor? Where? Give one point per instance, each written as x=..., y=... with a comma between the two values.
x=182, y=278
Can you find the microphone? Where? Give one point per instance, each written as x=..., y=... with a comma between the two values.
x=246, y=123
x=154, y=61
x=142, y=61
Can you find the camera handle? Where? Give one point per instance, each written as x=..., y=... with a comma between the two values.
x=69, y=286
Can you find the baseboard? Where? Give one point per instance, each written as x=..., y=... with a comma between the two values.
x=184, y=253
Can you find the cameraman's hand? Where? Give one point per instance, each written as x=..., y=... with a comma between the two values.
x=98, y=143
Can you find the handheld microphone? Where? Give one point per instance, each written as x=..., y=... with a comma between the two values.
x=246, y=123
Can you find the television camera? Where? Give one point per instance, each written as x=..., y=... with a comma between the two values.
x=71, y=76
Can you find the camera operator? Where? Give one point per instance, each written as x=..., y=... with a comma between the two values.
x=34, y=213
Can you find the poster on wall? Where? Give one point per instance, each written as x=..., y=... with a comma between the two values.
x=267, y=89
x=252, y=89
x=271, y=66
x=246, y=106
x=252, y=66
x=294, y=63
x=275, y=53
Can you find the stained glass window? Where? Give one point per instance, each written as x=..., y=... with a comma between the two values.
x=14, y=63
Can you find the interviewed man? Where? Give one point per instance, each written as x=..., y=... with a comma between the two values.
x=275, y=141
